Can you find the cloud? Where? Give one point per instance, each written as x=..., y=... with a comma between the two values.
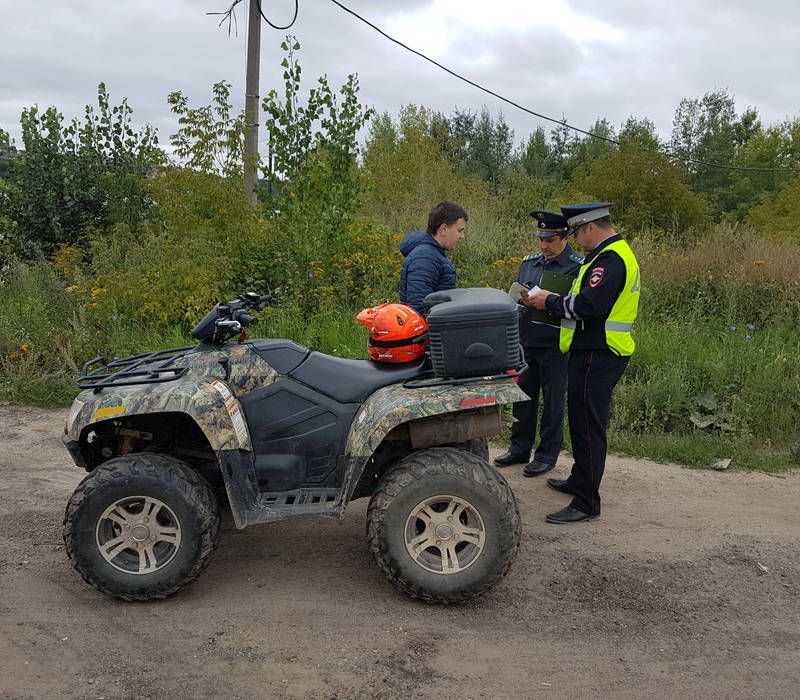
x=577, y=58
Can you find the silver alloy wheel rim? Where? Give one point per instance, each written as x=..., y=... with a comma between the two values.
x=138, y=534
x=445, y=534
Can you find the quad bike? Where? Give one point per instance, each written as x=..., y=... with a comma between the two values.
x=275, y=431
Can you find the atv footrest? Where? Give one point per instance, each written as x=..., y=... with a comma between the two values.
x=300, y=503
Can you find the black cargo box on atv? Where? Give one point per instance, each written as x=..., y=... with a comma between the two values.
x=473, y=332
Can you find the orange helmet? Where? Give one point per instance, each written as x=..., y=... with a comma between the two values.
x=397, y=333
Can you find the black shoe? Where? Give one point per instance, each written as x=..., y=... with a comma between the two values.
x=569, y=515
x=537, y=468
x=508, y=458
x=561, y=485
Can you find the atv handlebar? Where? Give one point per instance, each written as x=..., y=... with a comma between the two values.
x=228, y=319
x=246, y=319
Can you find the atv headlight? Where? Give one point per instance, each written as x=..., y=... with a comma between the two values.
x=72, y=415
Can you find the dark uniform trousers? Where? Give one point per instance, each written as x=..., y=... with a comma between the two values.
x=547, y=372
x=592, y=376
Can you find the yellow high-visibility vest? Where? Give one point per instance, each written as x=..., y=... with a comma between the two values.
x=620, y=321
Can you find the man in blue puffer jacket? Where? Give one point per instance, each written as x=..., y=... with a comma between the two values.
x=427, y=268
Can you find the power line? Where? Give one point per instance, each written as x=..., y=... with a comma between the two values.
x=551, y=119
x=230, y=16
x=275, y=26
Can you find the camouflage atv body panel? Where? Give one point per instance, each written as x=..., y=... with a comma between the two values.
x=203, y=393
x=204, y=401
x=209, y=392
x=394, y=405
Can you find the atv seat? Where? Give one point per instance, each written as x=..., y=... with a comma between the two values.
x=352, y=381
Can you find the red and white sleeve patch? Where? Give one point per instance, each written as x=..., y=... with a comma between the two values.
x=596, y=276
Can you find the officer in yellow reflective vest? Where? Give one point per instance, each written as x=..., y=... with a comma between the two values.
x=596, y=320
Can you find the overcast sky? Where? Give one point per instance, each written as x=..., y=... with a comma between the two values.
x=575, y=58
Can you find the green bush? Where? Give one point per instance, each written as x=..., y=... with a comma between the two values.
x=690, y=377
x=718, y=345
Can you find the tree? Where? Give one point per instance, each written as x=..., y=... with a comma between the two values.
x=315, y=144
x=7, y=154
x=479, y=144
x=407, y=170
x=462, y=130
x=85, y=175
x=707, y=129
x=639, y=133
x=780, y=217
x=777, y=146
x=649, y=189
x=449, y=136
x=488, y=154
x=535, y=156
x=583, y=151
x=560, y=141
x=210, y=138
x=320, y=196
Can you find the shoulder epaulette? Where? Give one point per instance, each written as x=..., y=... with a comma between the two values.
x=535, y=256
x=576, y=257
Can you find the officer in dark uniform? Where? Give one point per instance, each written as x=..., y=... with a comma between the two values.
x=596, y=320
x=547, y=365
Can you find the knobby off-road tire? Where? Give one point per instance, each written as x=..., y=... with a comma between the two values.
x=142, y=526
x=443, y=525
x=478, y=447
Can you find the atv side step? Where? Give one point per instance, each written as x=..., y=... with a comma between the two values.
x=286, y=505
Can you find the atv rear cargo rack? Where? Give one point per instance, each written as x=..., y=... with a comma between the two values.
x=160, y=367
x=421, y=382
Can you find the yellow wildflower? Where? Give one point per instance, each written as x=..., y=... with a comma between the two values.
x=25, y=347
x=760, y=262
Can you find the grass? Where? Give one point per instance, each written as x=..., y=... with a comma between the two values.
x=714, y=375
x=701, y=451
x=699, y=373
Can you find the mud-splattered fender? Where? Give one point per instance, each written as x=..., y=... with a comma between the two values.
x=395, y=405
x=209, y=402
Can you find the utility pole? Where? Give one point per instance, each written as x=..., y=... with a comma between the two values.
x=251, y=107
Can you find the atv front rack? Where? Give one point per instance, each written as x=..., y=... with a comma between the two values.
x=147, y=368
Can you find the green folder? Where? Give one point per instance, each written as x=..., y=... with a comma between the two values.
x=553, y=282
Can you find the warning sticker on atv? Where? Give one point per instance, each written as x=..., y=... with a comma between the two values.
x=232, y=406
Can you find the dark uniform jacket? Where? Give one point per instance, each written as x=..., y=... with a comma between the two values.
x=600, y=288
x=540, y=335
x=426, y=269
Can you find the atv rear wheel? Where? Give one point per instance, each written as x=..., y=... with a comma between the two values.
x=478, y=447
x=142, y=526
x=443, y=525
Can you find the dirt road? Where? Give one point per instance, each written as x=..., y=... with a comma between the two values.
x=688, y=586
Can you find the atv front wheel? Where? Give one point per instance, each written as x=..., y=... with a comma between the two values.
x=142, y=526
x=443, y=525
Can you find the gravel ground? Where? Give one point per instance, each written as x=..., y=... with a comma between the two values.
x=688, y=586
